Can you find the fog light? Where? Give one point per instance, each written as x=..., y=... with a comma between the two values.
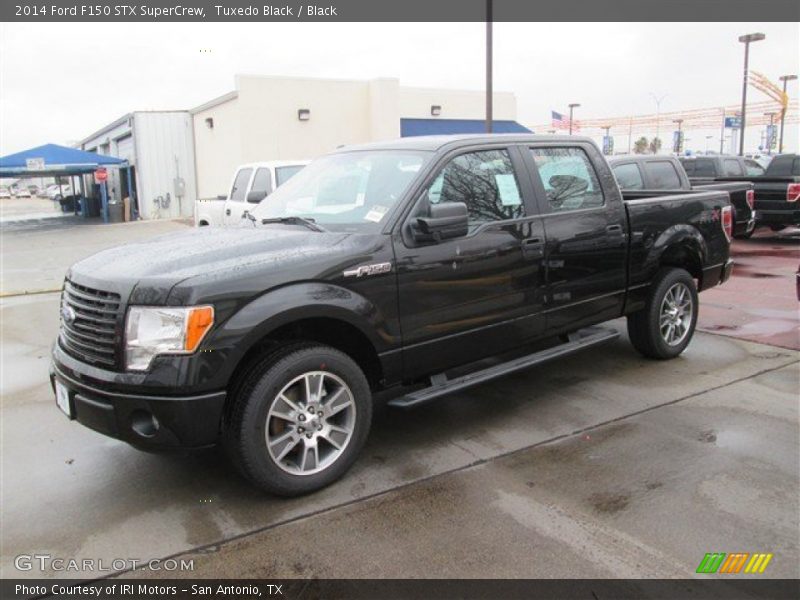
x=144, y=423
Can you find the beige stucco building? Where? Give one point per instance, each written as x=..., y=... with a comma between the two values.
x=283, y=118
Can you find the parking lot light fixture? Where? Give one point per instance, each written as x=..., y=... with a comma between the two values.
x=784, y=79
x=572, y=108
x=746, y=40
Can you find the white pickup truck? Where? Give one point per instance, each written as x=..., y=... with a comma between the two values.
x=251, y=183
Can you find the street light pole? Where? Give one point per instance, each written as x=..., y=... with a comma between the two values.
x=784, y=79
x=489, y=91
x=746, y=39
x=771, y=116
x=658, y=116
x=679, y=122
x=571, y=108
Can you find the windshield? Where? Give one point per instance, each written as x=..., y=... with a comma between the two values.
x=350, y=191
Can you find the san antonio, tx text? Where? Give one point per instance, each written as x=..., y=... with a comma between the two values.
x=110, y=589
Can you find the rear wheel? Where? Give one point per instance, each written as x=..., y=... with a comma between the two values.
x=665, y=326
x=299, y=420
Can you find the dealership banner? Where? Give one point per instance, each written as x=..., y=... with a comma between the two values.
x=405, y=10
x=711, y=588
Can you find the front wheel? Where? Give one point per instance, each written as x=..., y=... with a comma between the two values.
x=665, y=326
x=299, y=419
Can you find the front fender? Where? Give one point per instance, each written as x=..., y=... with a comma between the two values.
x=278, y=307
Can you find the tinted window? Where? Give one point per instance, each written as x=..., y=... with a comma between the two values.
x=688, y=166
x=240, y=185
x=484, y=181
x=662, y=175
x=781, y=166
x=628, y=177
x=732, y=167
x=568, y=178
x=753, y=168
x=283, y=174
x=705, y=167
x=262, y=182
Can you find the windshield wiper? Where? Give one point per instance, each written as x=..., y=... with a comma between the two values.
x=309, y=223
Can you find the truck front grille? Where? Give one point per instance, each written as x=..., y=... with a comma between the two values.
x=90, y=328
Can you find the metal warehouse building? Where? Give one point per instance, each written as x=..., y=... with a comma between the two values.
x=160, y=149
x=288, y=118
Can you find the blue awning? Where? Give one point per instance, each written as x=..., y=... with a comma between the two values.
x=52, y=159
x=412, y=127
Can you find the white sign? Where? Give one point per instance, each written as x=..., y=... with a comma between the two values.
x=34, y=164
x=508, y=190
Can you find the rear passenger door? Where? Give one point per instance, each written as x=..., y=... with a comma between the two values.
x=586, y=231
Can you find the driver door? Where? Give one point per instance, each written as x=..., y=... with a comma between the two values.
x=473, y=296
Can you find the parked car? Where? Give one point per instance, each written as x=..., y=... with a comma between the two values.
x=405, y=261
x=250, y=185
x=659, y=173
x=776, y=190
x=57, y=192
x=23, y=192
x=4, y=193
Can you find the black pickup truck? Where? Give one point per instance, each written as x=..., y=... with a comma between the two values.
x=393, y=272
x=652, y=172
x=776, y=189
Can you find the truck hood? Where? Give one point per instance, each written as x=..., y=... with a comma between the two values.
x=149, y=269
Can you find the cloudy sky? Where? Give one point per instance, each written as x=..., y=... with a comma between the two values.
x=60, y=82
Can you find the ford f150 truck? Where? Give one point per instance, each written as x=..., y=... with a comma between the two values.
x=663, y=173
x=776, y=189
x=394, y=272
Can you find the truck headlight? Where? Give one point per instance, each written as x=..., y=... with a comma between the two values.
x=150, y=331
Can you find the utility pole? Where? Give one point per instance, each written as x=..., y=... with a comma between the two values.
x=489, y=92
x=722, y=132
x=784, y=79
x=746, y=40
x=572, y=107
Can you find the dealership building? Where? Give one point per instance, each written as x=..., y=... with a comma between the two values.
x=181, y=156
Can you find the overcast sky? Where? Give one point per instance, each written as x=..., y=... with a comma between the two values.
x=60, y=82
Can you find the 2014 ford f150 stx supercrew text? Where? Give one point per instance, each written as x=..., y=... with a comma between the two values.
x=391, y=272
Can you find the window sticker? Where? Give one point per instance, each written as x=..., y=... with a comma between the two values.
x=507, y=188
x=376, y=213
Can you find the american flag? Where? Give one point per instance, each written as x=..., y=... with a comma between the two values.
x=561, y=122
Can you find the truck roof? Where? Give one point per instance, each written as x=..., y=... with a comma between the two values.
x=434, y=143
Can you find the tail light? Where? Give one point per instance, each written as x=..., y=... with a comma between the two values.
x=793, y=192
x=751, y=199
x=727, y=222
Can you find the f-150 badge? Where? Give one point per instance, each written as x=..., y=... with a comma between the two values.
x=365, y=270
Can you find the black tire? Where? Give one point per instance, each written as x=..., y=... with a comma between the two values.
x=644, y=326
x=245, y=431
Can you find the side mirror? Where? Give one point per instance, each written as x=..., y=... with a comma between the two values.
x=221, y=197
x=256, y=197
x=444, y=221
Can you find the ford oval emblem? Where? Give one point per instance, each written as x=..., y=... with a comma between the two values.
x=67, y=313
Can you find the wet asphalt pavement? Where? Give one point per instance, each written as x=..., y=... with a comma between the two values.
x=599, y=465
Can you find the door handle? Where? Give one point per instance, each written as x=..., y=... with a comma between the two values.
x=615, y=233
x=614, y=229
x=533, y=248
x=228, y=211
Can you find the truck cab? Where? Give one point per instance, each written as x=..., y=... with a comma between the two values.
x=251, y=183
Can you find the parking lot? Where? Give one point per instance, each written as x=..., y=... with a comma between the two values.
x=603, y=464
